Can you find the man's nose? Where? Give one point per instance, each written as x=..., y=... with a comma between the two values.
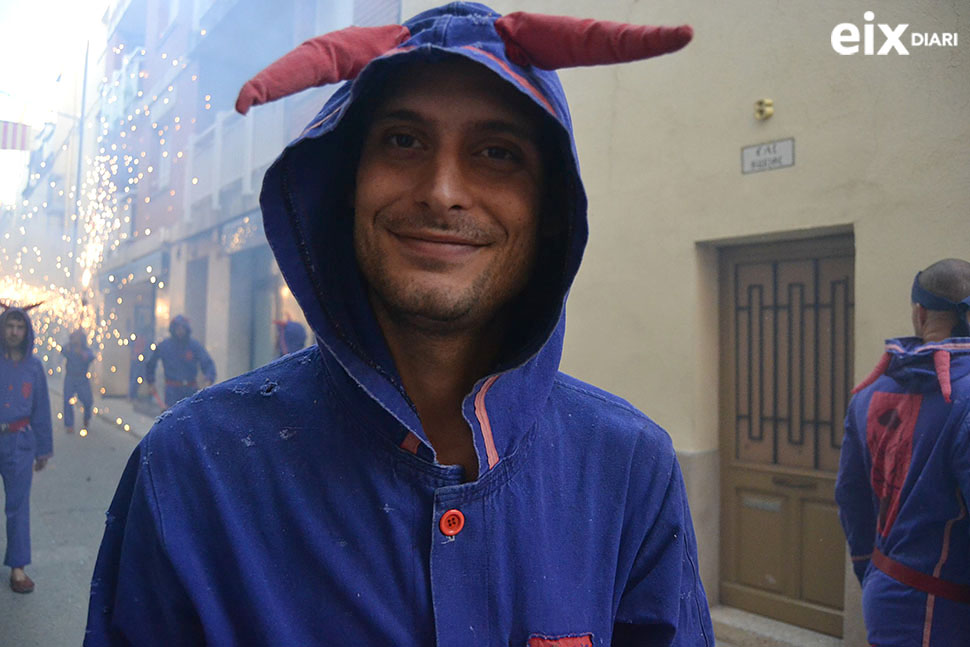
x=445, y=183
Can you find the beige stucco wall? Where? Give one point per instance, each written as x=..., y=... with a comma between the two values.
x=881, y=149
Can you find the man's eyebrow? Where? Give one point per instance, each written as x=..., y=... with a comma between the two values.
x=497, y=126
x=505, y=127
x=402, y=114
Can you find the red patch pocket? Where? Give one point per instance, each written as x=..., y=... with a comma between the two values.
x=585, y=640
x=26, y=389
x=890, y=425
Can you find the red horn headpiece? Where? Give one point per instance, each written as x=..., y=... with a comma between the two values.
x=337, y=56
x=555, y=42
x=7, y=306
x=547, y=42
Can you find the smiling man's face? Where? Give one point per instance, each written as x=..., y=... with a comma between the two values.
x=14, y=333
x=448, y=194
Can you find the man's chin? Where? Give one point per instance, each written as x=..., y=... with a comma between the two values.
x=437, y=313
x=430, y=311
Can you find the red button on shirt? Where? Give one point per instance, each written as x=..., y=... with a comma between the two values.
x=451, y=523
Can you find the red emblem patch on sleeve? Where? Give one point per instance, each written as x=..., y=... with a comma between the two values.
x=890, y=423
x=26, y=389
x=585, y=640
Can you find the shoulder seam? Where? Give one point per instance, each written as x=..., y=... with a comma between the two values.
x=614, y=402
x=156, y=508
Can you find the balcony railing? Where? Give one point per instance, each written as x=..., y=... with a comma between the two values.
x=229, y=150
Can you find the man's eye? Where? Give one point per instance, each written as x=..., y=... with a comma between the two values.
x=402, y=140
x=499, y=153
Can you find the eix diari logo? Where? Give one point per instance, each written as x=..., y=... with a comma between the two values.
x=846, y=38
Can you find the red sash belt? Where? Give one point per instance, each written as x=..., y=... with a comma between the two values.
x=15, y=426
x=921, y=581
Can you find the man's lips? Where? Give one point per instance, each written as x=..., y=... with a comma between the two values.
x=443, y=238
x=439, y=245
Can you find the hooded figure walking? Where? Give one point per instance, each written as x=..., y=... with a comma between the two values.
x=26, y=437
x=424, y=474
x=290, y=337
x=182, y=359
x=78, y=358
x=904, y=474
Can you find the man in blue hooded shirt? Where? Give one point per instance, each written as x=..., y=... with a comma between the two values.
x=904, y=476
x=290, y=337
x=424, y=475
x=78, y=358
x=182, y=359
x=26, y=437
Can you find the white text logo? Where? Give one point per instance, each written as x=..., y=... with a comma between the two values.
x=846, y=38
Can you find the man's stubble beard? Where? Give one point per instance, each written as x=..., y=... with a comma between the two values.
x=11, y=349
x=437, y=310
x=432, y=310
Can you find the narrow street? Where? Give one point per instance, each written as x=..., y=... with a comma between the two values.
x=68, y=503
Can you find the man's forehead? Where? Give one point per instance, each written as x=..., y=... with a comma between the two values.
x=490, y=98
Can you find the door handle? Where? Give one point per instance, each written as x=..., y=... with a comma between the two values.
x=783, y=481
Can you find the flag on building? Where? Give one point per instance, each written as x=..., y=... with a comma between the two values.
x=14, y=136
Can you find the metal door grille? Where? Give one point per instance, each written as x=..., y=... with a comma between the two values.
x=792, y=368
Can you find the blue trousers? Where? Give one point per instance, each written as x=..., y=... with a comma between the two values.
x=17, y=470
x=81, y=386
x=899, y=616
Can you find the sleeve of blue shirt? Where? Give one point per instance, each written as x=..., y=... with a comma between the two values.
x=960, y=456
x=152, y=361
x=40, y=415
x=664, y=602
x=136, y=597
x=853, y=493
x=205, y=362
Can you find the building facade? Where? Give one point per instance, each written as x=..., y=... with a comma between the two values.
x=191, y=169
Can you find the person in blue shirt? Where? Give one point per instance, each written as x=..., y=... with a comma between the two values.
x=424, y=474
x=182, y=359
x=78, y=358
x=904, y=474
x=290, y=337
x=26, y=442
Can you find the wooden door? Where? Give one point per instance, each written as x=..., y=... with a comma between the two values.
x=786, y=371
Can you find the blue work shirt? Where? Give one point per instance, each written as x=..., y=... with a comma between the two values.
x=303, y=503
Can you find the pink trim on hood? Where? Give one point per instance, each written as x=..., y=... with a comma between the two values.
x=941, y=361
x=875, y=374
x=482, y=414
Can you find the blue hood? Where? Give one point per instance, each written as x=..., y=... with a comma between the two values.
x=180, y=320
x=911, y=361
x=291, y=336
x=28, y=340
x=308, y=221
